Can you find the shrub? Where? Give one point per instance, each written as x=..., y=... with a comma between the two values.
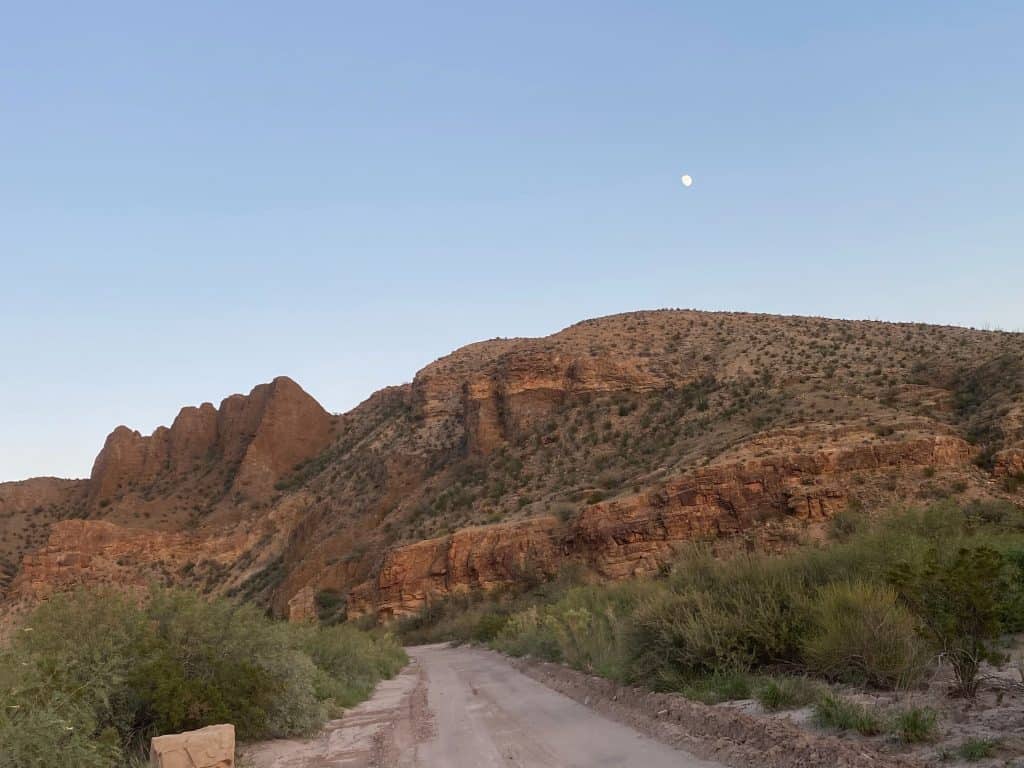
x=489, y=626
x=779, y=693
x=529, y=633
x=958, y=597
x=916, y=725
x=93, y=696
x=585, y=627
x=349, y=661
x=861, y=634
x=720, y=617
x=208, y=662
x=841, y=714
x=977, y=749
x=719, y=687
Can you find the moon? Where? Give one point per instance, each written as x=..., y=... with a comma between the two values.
x=687, y=180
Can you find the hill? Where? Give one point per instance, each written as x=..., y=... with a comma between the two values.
x=609, y=443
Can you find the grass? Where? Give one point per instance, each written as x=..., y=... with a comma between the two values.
x=836, y=713
x=780, y=693
x=977, y=749
x=714, y=689
x=916, y=725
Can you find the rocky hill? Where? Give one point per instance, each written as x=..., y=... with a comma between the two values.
x=609, y=444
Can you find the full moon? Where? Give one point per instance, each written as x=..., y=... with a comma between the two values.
x=686, y=179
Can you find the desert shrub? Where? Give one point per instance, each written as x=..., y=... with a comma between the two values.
x=839, y=714
x=585, y=628
x=846, y=523
x=331, y=606
x=453, y=618
x=862, y=634
x=349, y=661
x=916, y=725
x=719, y=617
x=39, y=729
x=977, y=749
x=959, y=597
x=530, y=633
x=779, y=693
x=90, y=666
x=716, y=688
x=489, y=626
x=217, y=661
x=92, y=675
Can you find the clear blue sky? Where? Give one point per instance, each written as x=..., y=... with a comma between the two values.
x=196, y=197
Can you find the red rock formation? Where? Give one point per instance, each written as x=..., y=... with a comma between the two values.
x=636, y=535
x=24, y=495
x=515, y=387
x=253, y=439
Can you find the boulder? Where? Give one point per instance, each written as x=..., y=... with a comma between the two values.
x=210, y=747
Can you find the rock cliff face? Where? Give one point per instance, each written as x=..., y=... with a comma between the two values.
x=773, y=502
x=609, y=445
x=246, y=445
x=514, y=388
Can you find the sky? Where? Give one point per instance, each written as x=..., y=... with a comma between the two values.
x=196, y=197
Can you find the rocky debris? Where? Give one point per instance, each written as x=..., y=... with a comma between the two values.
x=210, y=747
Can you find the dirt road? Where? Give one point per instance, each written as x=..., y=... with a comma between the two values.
x=467, y=708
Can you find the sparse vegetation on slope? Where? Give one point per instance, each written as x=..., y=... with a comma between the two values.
x=615, y=409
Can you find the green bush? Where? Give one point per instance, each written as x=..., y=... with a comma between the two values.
x=585, y=628
x=207, y=662
x=716, y=688
x=530, y=633
x=861, y=634
x=977, y=749
x=349, y=661
x=841, y=611
x=92, y=675
x=779, y=693
x=489, y=626
x=839, y=714
x=916, y=725
x=720, y=616
x=960, y=597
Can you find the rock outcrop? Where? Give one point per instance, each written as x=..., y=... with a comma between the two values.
x=772, y=500
x=248, y=444
x=210, y=747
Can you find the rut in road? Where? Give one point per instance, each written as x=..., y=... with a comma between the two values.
x=468, y=708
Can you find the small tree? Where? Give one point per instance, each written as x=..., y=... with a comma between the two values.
x=958, y=598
